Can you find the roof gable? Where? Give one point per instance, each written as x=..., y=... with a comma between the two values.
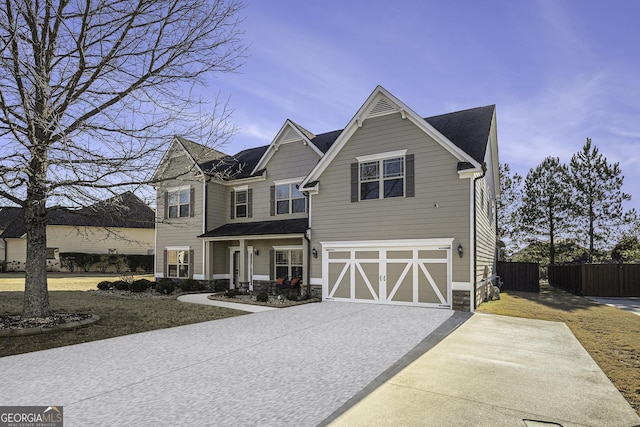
x=198, y=154
x=289, y=133
x=381, y=102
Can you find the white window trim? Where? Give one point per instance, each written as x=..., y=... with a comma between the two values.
x=178, y=189
x=178, y=248
x=289, y=181
x=382, y=156
x=241, y=188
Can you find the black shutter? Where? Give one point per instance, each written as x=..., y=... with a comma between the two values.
x=272, y=210
x=354, y=182
x=272, y=264
x=192, y=202
x=166, y=204
x=250, y=203
x=410, y=186
x=232, y=204
x=165, y=268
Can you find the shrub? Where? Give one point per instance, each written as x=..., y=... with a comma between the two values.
x=139, y=285
x=165, y=286
x=121, y=285
x=105, y=285
x=190, y=285
x=231, y=293
x=262, y=297
x=291, y=296
x=219, y=287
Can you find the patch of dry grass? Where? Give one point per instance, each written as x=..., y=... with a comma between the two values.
x=610, y=335
x=118, y=316
x=63, y=281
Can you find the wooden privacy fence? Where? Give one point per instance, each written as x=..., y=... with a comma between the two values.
x=519, y=276
x=597, y=280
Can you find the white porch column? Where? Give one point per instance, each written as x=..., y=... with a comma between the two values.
x=242, y=261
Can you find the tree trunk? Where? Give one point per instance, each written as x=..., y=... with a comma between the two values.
x=36, y=295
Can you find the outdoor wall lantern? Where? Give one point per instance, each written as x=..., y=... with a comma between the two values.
x=460, y=251
x=314, y=252
x=257, y=252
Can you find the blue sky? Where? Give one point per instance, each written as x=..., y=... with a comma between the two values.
x=559, y=71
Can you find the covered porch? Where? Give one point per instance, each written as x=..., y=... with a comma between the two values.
x=255, y=255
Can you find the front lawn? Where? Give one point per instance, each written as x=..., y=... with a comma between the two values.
x=610, y=335
x=118, y=316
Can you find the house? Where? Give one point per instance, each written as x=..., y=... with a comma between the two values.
x=123, y=224
x=394, y=208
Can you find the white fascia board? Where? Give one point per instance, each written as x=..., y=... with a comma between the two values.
x=253, y=237
x=237, y=182
x=469, y=173
x=405, y=243
x=288, y=181
x=273, y=147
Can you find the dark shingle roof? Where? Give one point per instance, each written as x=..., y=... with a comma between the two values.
x=467, y=129
x=260, y=228
x=125, y=210
x=8, y=215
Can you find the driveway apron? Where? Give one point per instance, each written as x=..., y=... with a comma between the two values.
x=292, y=366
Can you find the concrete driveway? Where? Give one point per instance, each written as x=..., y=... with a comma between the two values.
x=631, y=304
x=294, y=366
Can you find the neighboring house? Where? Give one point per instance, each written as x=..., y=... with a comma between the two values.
x=122, y=225
x=394, y=208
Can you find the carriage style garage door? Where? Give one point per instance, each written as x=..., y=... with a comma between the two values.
x=409, y=272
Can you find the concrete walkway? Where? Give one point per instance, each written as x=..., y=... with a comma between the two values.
x=497, y=371
x=203, y=299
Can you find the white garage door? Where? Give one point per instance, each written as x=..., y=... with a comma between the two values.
x=409, y=272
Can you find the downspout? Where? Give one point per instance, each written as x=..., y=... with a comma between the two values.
x=306, y=237
x=475, y=237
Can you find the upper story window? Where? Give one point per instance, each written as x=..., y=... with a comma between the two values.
x=287, y=199
x=179, y=203
x=383, y=176
x=382, y=179
x=241, y=202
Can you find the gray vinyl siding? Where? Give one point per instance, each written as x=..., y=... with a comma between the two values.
x=180, y=231
x=292, y=160
x=486, y=238
x=335, y=218
x=217, y=205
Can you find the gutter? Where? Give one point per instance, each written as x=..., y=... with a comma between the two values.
x=306, y=237
x=475, y=238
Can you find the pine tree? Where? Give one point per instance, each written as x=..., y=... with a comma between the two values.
x=508, y=206
x=545, y=209
x=597, y=194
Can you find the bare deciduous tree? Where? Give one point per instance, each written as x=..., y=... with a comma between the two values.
x=90, y=91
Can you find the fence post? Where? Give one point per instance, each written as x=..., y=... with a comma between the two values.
x=620, y=280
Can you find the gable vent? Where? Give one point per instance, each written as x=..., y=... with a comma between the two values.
x=382, y=107
x=290, y=136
